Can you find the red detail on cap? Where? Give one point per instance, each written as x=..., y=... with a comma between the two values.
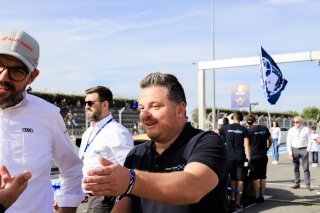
x=26, y=46
x=17, y=41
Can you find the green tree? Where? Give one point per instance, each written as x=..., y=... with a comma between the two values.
x=310, y=113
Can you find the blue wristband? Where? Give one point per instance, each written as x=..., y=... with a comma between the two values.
x=130, y=187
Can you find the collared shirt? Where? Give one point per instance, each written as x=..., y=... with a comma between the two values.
x=297, y=138
x=113, y=142
x=206, y=149
x=32, y=133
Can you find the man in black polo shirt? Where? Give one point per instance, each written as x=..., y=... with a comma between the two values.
x=260, y=142
x=238, y=150
x=182, y=169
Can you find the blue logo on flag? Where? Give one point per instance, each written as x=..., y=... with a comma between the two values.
x=273, y=80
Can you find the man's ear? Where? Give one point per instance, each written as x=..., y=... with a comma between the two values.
x=182, y=110
x=34, y=75
x=106, y=104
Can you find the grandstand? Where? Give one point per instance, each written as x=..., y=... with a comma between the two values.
x=127, y=118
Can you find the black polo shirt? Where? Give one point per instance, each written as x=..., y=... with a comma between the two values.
x=205, y=148
x=235, y=135
x=258, y=137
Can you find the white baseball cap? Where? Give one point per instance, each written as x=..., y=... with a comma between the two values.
x=20, y=45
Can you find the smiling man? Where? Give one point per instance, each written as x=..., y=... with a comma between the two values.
x=33, y=131
x=182, y=169
x=105, y=137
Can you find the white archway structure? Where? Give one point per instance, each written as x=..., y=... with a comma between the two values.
x=241, y=62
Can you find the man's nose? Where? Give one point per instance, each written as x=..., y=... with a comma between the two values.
x=144, y=114
x=4, y=75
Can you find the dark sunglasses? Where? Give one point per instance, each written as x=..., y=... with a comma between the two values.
x=90, y=103
x=296, y=122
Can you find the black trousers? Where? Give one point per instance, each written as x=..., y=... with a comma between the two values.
x=100, y=204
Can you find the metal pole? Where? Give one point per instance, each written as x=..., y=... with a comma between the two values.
x=213, y=75
x=120, y=114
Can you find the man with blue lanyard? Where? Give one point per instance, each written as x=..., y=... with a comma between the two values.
x=105, y=137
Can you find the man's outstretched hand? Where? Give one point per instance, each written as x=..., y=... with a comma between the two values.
x=11, y=187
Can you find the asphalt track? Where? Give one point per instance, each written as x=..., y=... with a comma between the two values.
x=279, y=197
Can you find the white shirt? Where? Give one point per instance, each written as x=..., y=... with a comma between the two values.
x=297, y=138
x=312, y=145
x=276, y=133
x=113, y=142
x=32, y=133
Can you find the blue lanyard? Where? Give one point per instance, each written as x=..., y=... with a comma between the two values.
x=90, y=141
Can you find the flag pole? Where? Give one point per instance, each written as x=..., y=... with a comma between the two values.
x=264, y=87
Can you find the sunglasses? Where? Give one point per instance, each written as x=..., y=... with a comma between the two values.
x=296, y=122
x=90, y=103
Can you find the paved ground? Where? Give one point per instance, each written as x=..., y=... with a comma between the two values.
x=279, y=196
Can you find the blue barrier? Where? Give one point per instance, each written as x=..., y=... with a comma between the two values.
x=56, y=183
x=281, y=150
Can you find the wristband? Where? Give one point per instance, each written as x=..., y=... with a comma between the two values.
x=2, y=208
x=130, y=187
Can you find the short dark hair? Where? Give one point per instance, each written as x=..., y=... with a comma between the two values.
x=175, y=90
x=237, y=115
x=104, y=94
x=225, y=121
x=251, y=118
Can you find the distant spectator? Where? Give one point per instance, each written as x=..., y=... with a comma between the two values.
x=29, y=89
x=78, y=104
x=135, y=129
x=313, y=146
x=135, y=105
x=69, y=119
x=140, y=128
x=63, y=103
x=276, y=136
x=114, y=106
x=225, y=121
x=64, y=107
x=127, y=106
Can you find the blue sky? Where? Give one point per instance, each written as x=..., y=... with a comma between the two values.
x=116, y=43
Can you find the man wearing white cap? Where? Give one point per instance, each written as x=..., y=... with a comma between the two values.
x=33, y=131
